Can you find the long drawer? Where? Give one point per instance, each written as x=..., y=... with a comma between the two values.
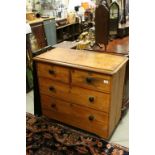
x=91, y=80
x=54, y=72
x=92, y=120
x=89, y=98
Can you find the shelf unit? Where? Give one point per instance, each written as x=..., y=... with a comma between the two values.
x=39, y=33
x=68, y=32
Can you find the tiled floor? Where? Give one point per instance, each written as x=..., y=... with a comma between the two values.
x=120, y=135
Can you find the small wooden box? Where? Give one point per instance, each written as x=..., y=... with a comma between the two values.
x=30, y=16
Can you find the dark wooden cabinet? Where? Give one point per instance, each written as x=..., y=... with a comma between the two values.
x=39, y=33
x=102, y=25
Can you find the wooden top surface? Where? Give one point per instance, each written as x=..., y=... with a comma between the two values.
x=38, y=20
x=82, y=59
x=66, y=44
x=117, y=46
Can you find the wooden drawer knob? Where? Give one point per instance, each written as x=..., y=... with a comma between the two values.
x=53, y=105
x=91, y=117
x=51, y=72
x=52, y=89
x=89, y=80
x=91, y=99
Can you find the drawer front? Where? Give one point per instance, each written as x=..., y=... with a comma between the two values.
x=91, y=80
x=90, y=98
x=53, y=72
x=53, y=88
x=92, y=120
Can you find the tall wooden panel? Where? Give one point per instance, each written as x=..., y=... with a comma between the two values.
x=102, y=25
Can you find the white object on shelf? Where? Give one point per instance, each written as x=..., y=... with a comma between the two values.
x=28, y=29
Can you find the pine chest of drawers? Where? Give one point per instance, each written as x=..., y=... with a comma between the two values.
x=80, y=88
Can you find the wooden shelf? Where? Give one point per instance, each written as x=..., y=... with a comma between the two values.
x=58, y=41
x=68, y=32
x=77, y=34
x=60, y=27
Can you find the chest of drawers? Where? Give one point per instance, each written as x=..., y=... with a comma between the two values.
x=81, y=88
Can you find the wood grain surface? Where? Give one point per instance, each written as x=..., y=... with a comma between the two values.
x=77, y=95
x=117, y=46
x=99, y=62
x=76, y=115
x=91, y=80
x=86, y=90
x=54, y=72
x=38, y=20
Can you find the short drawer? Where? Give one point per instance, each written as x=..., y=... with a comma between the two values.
x=75, y=115
x=53, y=72
x=90, y=98
x=53, y=88
x=91, y=80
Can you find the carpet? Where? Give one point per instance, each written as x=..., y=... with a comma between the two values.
x=48, y=137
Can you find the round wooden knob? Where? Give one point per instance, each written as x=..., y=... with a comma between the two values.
x=91, y=99
x=91, y=117
x=51, y=72
x=52, y=89
x=53, y=105
x=89, y=80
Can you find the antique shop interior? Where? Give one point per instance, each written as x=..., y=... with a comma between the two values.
x=77, y=77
